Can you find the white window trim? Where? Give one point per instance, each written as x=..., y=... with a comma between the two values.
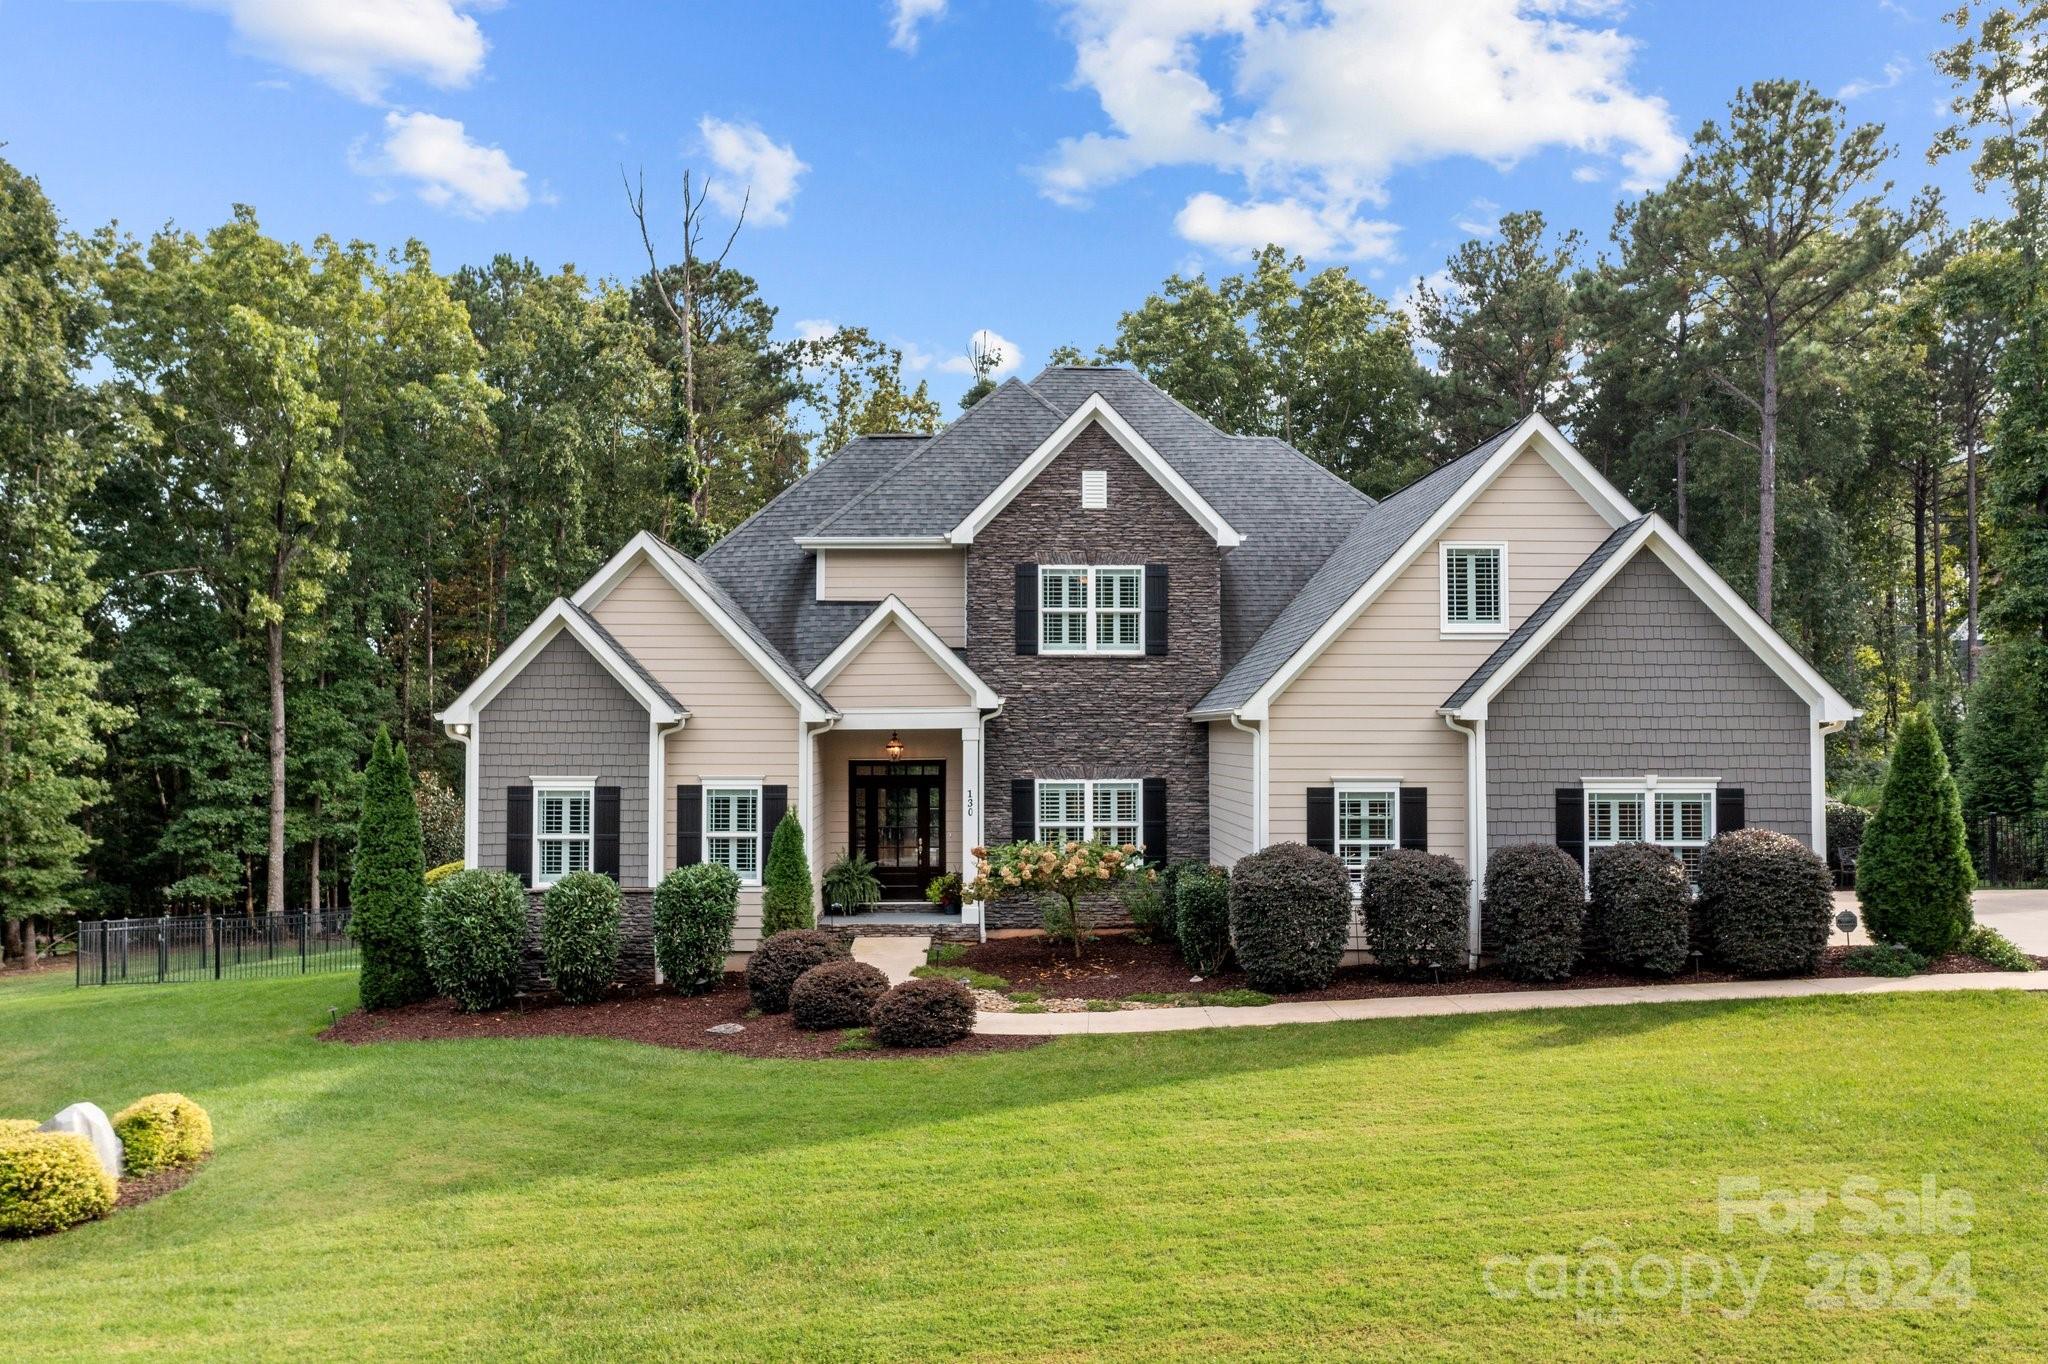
x=704, y=834
x=1645, y=789
x=563, y=786
x=1376, y=787
x=1089, y=829
x=1090, y=644
x=1470, y=629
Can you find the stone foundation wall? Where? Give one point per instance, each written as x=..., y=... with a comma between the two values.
x=1024, y=911
x=636, y=942
x=936, y=932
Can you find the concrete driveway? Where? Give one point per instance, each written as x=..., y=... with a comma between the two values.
x=2021, y=915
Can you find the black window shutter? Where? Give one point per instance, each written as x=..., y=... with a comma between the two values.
x=519, y=833
x=1155, y=610
x=689, y=825
x=1728, y=809
x=1152, y=817
x=774, y=805
x=604, y=841
x=1027, y=608
x=1571, y=822
x=1023, y=810
x=1415, y=817
x=1322, y=818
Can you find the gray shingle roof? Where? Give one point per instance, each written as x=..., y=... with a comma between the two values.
x=695, y=572
x=1373, y=541
x=1551, y=605
x=612, y=642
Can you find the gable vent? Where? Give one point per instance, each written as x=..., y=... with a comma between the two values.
x=1094, y=489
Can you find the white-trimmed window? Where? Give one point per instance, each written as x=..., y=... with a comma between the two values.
x=1079, y=811
x=562, y=817
x=732, y=830
x=1683, y=821
x=1679, y=817
x=1084, y=609
x=1475, y=592
x=1368, y=824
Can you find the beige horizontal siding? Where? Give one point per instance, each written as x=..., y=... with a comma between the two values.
x=893, y=671
x=931, y=582
x=1231, y=793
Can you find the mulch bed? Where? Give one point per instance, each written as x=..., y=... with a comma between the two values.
x=139, y=1189
x=658, y=1019
x=1118, y=967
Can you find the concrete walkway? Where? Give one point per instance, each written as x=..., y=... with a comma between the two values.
x=2022, y=915
x=1504, y=1001
x=897, y=957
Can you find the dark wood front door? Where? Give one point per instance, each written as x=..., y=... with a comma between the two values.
x=899, y=823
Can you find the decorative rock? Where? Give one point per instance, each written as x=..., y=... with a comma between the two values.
x=90, y=1122
x=726, y=1029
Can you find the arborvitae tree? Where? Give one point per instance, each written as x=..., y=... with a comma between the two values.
x=787, y=895
x=389, y=887
x=2000, y=754
x=1914, y=875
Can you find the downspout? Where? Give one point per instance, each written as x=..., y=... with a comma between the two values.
x=1475, y=828
x=981, y=805
x=1258, y=779
x=810, y=780
x=1820, y=784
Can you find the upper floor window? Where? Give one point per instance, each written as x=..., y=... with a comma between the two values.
x=1475, y=587
x=1081, y=811
x=732, y=830
x=1091, y=610
x=561, y=832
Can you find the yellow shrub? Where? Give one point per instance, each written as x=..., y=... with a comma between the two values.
x=50, y=1180
x=14, y=1127
x=162, y=1130
x=446, y=869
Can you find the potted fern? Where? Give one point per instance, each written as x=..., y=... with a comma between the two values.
x=850, y=884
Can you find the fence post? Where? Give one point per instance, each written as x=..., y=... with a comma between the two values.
x=103, y=951
x=302, y=944
x=163, y=947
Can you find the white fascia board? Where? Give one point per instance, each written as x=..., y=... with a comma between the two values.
x=816, y=542
x=893, y=609
x=1097, y=409
x=645, y=546
x=558, y=616
x=1535, y=432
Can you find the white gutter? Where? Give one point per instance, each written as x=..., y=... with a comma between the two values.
x=1475, y=828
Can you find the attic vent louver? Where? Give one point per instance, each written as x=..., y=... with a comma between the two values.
x=1094, y=489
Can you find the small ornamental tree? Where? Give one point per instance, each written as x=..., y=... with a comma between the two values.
x=388, y=887
x=787, y=896
x=1058, y=876
x=1914, y=876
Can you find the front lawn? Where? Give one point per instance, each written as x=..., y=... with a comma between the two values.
x=1283, y=1193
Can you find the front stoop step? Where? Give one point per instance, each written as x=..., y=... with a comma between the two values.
x=897, y=956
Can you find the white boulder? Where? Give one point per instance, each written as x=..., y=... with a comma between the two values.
x=90, y=1122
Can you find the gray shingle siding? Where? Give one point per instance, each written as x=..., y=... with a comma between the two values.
x=1646, y=679
x=564, y=715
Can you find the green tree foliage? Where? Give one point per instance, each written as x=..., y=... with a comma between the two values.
x=1914, y=877
x=389, y=890
x=854, y=385
x=2003, y=744
x=787, y=895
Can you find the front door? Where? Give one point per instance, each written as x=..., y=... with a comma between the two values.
x=899, y=823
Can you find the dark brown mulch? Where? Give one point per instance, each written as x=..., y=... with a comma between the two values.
x=139, y=1189
x=1118, y=967
x=660, y=1020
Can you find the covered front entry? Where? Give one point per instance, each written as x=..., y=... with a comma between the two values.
x=897, y=813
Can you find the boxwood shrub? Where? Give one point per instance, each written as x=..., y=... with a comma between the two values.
x=694, y=911
x=1201, y=917
x=1537, y=902
x=781, y=959
x=579, y=935
x=1290, y=912
x=1766, y=899
x=838, y=994
x=49, y=1181
x=474, y=931
x=924, y=1013
x=1414, y=905
x=162, y=1130
x=1641, y=918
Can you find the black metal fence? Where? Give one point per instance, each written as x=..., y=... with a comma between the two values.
x=193, y=947
x=2010, y=850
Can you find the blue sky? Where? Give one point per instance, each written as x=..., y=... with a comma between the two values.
x=924, y=168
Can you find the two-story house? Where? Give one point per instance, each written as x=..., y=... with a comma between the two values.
x=1081, y=611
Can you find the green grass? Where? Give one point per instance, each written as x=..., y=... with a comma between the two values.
x=966, y=975
x=1318, y=1192
x=1221, y=999
x=945, y=953
x=856, y=1039
x=1024, y=996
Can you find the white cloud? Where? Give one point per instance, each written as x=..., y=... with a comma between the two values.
x=359, y=46
x=815, y=328
x=1894, y=72
x=447, y=169
x=916, y=359
x=1588, y=175
x=1479, y=219
x=1233, y=229
x=1324, y=102
x=903, y=25
x=985, y=342
x=756, y=170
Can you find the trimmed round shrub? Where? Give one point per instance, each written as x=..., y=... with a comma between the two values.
x=1290, y=912
x=49, y=1181
x=839, y=994
x=162, y=1130
x=780, y=960
x=579, y=935
x=1766, y=899
x=694, y=910
x=924, y=1013
x=1641, y=919
x=1201, y=917
x=1414, y=905
x=474, y=931
x=1913, y=875
x=1537, y=902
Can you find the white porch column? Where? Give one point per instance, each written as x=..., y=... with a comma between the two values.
x=970, y=811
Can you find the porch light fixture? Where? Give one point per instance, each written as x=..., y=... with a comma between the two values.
x=894, y=748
